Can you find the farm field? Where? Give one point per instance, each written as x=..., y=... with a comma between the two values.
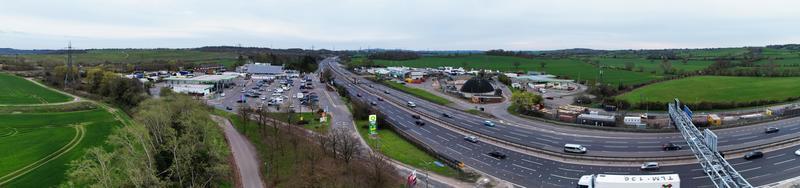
x=17, y=90
x=717, y=89
x=135, y=55
x=38, y=147
x=568, y=68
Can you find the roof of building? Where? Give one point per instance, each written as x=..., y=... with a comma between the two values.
x=477, y=85
x=541, y=78
x=206, y=78
x=263, y=69
x=193, y=86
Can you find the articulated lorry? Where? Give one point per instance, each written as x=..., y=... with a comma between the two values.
x=632, y=181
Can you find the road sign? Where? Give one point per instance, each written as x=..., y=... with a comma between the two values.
x=373, y=128
x=711, y=140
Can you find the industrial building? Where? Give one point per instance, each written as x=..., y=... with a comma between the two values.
x=200, y=85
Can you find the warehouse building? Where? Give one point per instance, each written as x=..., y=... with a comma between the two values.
x=200, y=85
x=263, y=71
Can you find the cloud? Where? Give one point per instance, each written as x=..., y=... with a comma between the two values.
x=410, y=24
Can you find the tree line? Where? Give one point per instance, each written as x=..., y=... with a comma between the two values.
x=397, y=55
x=97, y=82
x=299, y=62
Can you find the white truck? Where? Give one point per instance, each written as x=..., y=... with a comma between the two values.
x=632, y=181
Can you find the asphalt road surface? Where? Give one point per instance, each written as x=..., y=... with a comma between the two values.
x=530, y=171
x=244, y=155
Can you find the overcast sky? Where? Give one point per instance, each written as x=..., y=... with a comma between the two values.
x=406, y=24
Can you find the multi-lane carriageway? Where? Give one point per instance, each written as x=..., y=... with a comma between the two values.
x=531, y=171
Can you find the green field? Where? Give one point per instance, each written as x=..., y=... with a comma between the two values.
x=37, y=147
x=717, y=89
x=418, y=92
x=566, y=67
x=135, y=55
x=17, y=90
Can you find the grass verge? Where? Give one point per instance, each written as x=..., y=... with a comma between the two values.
x=418, y=93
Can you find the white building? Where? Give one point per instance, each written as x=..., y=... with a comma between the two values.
x=193, y=89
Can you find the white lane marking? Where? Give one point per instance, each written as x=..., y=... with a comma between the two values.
x=745, y=138
x=699, y=177
x=445, y=139
x=534, y=162
x=648, y=142
x=786, y=161
x=487, y=164
x=745, y=162
x=572, y=170
x=749, y=169
x=789, y=169
x=465, y=147
x=770, y=157
x=763, y=175
x=515, y=133
x=526, y=168
x=563, y=177
x=451, y=149
x=515, y=138
x=616, y=142
x=616, y=146
x=616, y=172
x=429, y=132
x=546, y=140
x=648, y=146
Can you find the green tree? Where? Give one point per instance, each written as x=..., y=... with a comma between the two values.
x=526, y=100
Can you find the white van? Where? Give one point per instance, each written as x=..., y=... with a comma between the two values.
x=574, y=148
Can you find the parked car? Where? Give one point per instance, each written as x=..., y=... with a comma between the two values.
x=472, y=139
x=650, y=166
x=670, y=146
x=497, y=154
x=771, y=130
x=419, y=123
x=488, y=123
x=753, y=155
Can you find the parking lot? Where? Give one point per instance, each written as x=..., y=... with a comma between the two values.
x=275, y=95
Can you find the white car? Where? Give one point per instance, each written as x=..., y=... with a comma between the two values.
x=797, y=152
x=223, y=94
x=650, y=166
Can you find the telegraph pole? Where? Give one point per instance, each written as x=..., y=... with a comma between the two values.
x=69, y=77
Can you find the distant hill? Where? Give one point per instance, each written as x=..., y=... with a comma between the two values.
x=11, y=51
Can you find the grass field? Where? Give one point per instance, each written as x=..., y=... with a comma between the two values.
x=37, y=147
x=135, y=55
x=418, y=92
x=717, y=89
x=312, y=118
x=566, y=67
x=398, y=148
x=17, y=90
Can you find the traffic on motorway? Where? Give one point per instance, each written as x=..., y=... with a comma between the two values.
x=530, y=170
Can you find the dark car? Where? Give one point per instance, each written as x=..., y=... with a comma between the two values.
x=753, y=155
x=228, y=108
x=670, y=146
x=771, y=130
x=447, y=115
x=358, y=94
x=239, y=101
x=415, y=116
x=380, y=99
x=497, y=154
x=420, y=123
x=373, y=103
x=384, y=91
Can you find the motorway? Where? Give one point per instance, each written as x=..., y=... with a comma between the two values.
x=600, y=143
x=530, y=171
